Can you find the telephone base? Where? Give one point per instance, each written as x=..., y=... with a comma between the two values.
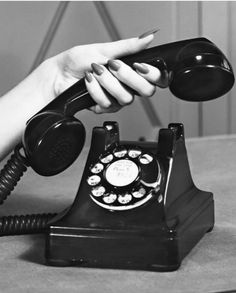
x=160, y=249
x=155, y=235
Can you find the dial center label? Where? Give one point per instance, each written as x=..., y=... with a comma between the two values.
x=122, y=173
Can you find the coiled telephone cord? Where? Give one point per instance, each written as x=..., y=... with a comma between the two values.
x=9, y=177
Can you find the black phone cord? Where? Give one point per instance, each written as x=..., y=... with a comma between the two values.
x=9, y=177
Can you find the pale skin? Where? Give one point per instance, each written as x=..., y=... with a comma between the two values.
x=58, y=73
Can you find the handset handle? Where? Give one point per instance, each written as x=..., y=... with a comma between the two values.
x=72, y=100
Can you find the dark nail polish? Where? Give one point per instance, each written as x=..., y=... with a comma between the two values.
x=113, y=65
x=88, y=76
x=151, y=32
x=142, y=68
x=98, y=69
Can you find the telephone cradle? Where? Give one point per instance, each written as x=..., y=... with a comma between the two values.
x=136, y=208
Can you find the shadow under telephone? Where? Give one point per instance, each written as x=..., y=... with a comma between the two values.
x=137, y=206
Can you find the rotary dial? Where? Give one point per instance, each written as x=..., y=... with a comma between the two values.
x=125, y=178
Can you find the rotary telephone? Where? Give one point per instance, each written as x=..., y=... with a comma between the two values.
x=137, y=206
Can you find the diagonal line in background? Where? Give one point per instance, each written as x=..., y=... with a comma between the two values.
x=56, y=20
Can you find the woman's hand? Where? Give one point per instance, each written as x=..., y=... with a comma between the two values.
x=110, y=88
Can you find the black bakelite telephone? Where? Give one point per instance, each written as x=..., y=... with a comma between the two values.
x=137, y=206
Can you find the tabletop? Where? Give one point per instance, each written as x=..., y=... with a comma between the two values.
x=209, y=267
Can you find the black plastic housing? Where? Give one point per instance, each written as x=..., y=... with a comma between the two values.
x=156, y=236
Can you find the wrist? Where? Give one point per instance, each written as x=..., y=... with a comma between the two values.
x=43, y=80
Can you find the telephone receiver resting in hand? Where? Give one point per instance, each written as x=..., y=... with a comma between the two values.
x=194, y=70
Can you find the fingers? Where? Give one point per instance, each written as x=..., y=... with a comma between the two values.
x=150, y=73
x=105, y=102
x=100, y=110
x=114, y=87
x=140, y=82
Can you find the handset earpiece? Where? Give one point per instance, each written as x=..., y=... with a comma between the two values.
x=197, y=69
x=201, y=73
x=52, y=142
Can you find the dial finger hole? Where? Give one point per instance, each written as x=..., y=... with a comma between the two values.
x=93, y=180
x=120, y=153
x=139, y=193
x=146, y=159
x=134, y=153
x=107, y=159
x=98, y=191
x=124, y=198
x=110, y=198
x=97, y=168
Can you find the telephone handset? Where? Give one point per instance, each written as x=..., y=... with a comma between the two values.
x=194, y=70
x=140, y=182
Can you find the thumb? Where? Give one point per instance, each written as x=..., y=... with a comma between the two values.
x=125, y=47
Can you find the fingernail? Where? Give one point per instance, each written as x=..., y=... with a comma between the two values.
x=88, y=76
x=150, y=32
x=114, y=65
x=98, y=69
x=142, y=68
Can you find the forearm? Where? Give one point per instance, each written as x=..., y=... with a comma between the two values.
x=22, y=102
